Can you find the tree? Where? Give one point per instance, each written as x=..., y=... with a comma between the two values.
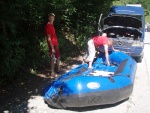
x=22, y=38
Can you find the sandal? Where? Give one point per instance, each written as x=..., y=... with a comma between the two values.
x=60, y=72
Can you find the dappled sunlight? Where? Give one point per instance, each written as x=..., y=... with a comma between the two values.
x=36, y=104
x=26, y=95
x=15, y=98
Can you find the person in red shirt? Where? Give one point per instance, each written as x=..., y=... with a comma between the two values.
x=52, y=42
x=96, y=42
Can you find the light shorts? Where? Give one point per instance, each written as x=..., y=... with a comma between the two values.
x=90, y=54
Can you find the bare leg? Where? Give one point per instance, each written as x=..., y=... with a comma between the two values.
x=52, y=67
x=58, y=64
x=90, y=64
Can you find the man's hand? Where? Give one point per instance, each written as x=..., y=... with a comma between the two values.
x=108, y=63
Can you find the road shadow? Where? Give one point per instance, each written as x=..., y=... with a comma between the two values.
x=14, y=98
x=17, y=94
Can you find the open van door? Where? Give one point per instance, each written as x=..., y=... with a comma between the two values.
x=99, y=23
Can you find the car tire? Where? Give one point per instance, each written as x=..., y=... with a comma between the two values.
x=139, y=59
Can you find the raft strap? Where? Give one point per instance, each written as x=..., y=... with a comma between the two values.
x=83, y=69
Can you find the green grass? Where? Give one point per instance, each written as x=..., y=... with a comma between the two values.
x=147, y=19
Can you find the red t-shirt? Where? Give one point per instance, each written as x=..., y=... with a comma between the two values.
x=49, y=29
x=100, y=41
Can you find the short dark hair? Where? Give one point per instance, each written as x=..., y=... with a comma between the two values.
x=51, y=14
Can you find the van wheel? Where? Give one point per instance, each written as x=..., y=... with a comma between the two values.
x=139, y=60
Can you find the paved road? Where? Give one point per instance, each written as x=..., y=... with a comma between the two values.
x=147, y=52
x=138, y=102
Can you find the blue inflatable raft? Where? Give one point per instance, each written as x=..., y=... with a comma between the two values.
x=102, y=85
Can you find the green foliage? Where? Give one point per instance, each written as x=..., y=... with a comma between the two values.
x=23, y=45
x=67, y=48
x=11, y=58
x=147, y=19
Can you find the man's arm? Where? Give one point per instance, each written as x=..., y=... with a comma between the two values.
x=112, y=47
x=50, y=42
x=106, y=54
